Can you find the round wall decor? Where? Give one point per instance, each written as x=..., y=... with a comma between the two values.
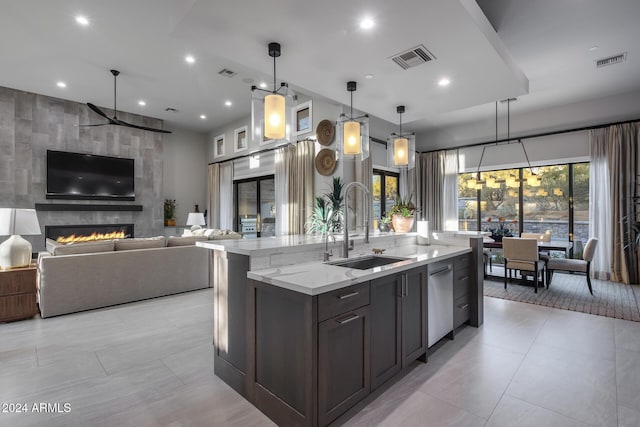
x=326, y=162
x=325, y=131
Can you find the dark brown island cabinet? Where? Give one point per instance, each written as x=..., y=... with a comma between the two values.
x=304, y=360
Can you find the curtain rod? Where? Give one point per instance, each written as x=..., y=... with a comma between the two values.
x=537, y=135
x=264, y=150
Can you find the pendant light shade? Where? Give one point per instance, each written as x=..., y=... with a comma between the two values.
x=401, y=152
x=352, y=140
x=272, y=110
x=274, y=116
x=401, y=147
x=354, y=131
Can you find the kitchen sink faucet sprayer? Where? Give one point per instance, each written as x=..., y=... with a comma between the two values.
x=345, y=225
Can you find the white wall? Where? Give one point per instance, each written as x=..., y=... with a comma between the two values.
x=185, y=171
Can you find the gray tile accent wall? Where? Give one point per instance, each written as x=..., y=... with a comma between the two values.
x=31, y=123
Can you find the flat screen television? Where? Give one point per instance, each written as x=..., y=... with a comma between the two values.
x=89, y=177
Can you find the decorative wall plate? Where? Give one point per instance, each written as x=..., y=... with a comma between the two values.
x=325, y=131
x=326, y=162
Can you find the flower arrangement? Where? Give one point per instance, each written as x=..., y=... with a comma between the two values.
x=502, y=230
x=170, y=212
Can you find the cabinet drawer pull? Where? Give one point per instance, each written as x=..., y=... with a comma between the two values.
x=349, y=319
x=463, y=279
x=345, y=296
x=442, y=270
x=463, y=306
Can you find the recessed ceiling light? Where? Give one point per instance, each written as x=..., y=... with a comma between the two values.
x=228, y=103
x=202, y=116
x=82, y=20
x=142, y=103
x=444, y=81
x=61, y=84
x=368, y=76
x=190, y=59
x=592, y=48
x=263, y=85
x=367, y=23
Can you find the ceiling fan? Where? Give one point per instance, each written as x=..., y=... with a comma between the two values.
x=114, y=120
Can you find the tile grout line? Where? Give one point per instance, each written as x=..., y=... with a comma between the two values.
x=95, y=353
x=515, y=372
x=173, y=373
x=37, y=356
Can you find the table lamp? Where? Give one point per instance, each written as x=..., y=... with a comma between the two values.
x=15, y=252
x=195, y=220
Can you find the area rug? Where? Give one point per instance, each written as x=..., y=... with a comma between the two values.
x=570, y=292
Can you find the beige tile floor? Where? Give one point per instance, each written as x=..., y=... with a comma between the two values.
x=150, y=364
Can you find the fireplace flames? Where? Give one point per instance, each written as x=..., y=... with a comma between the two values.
x=93, y=236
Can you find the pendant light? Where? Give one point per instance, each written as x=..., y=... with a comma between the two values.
x=401, y=147
x=271, y=109
x=354, y=131
x=352, y=142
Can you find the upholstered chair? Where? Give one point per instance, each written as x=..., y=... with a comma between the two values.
x=522, y=254
x=574, y=265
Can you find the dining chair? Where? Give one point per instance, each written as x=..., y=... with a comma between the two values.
x=574, y=265
x=522, y=254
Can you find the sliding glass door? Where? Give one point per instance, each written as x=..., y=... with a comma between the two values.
x=255, y=207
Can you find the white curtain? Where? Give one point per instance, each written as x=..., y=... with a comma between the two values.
x=431, y=183
x=600, y=205
x=213, y=196
x=282, y=191
x=450, y=191
x=226, y=195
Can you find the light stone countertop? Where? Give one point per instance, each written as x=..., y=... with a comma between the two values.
x=315, y=278
x=289, y=243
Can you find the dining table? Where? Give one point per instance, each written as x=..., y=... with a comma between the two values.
x=553, y=245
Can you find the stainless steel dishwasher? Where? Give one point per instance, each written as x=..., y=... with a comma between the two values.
x=440, y=300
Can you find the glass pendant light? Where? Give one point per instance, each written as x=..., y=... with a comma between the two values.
x=354, y=131
x=401, y=147
x=271, y=109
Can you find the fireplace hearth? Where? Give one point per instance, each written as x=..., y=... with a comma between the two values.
x=87, y=232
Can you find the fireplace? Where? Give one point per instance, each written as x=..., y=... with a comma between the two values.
x=84, y=233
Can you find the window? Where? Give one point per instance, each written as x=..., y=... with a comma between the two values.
x=389, y=181
x=539, y=203
x=255, y=207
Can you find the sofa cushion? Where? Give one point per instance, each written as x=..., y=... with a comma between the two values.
x=81, y=247
x=229, y=235
x=140, y=243
x=184, y=240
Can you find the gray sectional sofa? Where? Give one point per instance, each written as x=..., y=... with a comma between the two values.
x=91, y=275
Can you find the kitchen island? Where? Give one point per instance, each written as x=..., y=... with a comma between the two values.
x=305, y=340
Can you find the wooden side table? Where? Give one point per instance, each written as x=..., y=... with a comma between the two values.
x=18, y=293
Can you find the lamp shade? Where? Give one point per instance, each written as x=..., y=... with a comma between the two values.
x=352, y=141
x=274, y=116
x=18, y=221
x=401, y=152
x=195, y=218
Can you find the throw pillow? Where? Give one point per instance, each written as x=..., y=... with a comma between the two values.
x=83, y=247
x=140, y=243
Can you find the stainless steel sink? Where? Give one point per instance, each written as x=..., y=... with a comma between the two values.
x=367, y=262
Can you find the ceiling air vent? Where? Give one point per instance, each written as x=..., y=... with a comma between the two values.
x=615, y=59
x=171, y=110
x=413, y=57
x=504, y=101
x=226, y=72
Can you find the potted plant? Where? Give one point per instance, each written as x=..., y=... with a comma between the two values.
x=502, y=230
x=384, y=224
x=402, y=214
x=170, y=212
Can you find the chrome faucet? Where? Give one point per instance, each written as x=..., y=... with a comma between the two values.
x=345, y=225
